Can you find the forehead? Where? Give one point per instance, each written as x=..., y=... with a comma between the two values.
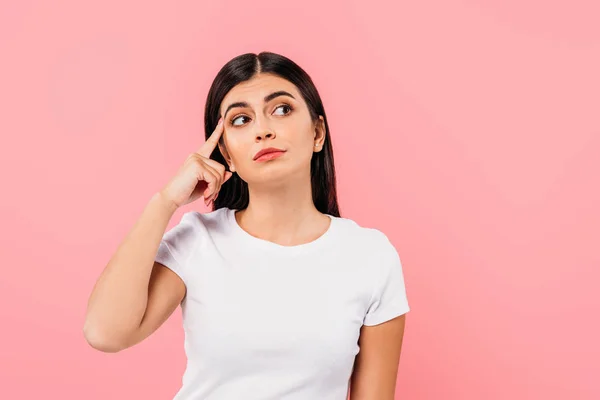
x=254, y=90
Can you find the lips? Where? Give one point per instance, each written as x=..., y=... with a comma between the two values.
x=267, y=151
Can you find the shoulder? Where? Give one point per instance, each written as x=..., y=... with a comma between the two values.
x=368, y=248
x=206, y=220
x=364, y=237
x=194, y=225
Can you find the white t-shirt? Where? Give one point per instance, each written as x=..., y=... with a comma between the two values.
x=272, y=322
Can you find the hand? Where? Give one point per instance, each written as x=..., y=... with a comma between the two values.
x=199, y=175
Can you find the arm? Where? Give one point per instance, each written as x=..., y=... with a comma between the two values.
x=376, y=365
x=134, y=294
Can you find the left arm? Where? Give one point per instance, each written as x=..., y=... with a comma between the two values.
x=376, y=364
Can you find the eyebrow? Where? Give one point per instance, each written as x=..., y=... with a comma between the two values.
x=266, y=99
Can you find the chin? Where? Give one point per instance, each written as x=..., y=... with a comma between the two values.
x=275, y=173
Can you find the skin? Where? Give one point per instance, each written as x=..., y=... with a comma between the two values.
x=280, y=210
x=376, y=365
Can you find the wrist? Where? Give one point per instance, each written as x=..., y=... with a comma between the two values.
x=165, y=202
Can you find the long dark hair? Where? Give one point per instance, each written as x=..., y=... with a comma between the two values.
x=234, y=193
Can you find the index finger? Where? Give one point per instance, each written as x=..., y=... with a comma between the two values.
x=211, y=143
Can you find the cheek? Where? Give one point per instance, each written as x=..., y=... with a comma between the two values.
x=303, y=151
x=238, y=150
x=306, y=143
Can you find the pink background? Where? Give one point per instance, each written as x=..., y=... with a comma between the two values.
x=467, y=131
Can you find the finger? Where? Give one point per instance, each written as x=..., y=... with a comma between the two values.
x=211, y=143
x=226, y=176
x=214, y=186
x=220, y=168
x=207, y=175
x=223, y=173
x=216, y=194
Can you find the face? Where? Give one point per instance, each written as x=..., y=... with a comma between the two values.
x=274, y=116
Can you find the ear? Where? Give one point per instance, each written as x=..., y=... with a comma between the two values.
x=225, y=153
x=320, y=133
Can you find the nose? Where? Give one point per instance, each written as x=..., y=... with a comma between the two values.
x=263, y=129
x=264, y=135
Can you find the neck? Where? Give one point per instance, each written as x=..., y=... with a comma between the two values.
x=284, y=213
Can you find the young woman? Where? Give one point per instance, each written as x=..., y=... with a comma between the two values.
x=282, y=298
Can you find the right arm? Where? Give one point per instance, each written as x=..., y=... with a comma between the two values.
x=134, y=294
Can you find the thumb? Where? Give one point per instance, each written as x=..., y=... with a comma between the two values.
x=228, y=175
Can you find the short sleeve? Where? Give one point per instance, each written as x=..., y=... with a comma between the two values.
x=176, y=246
x=389, y=298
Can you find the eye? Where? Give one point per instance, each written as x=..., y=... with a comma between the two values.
x=285, y=105
x=232, y=121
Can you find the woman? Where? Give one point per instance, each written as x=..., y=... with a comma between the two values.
x=281, y=297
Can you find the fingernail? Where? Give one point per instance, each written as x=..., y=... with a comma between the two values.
x=220, y=120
